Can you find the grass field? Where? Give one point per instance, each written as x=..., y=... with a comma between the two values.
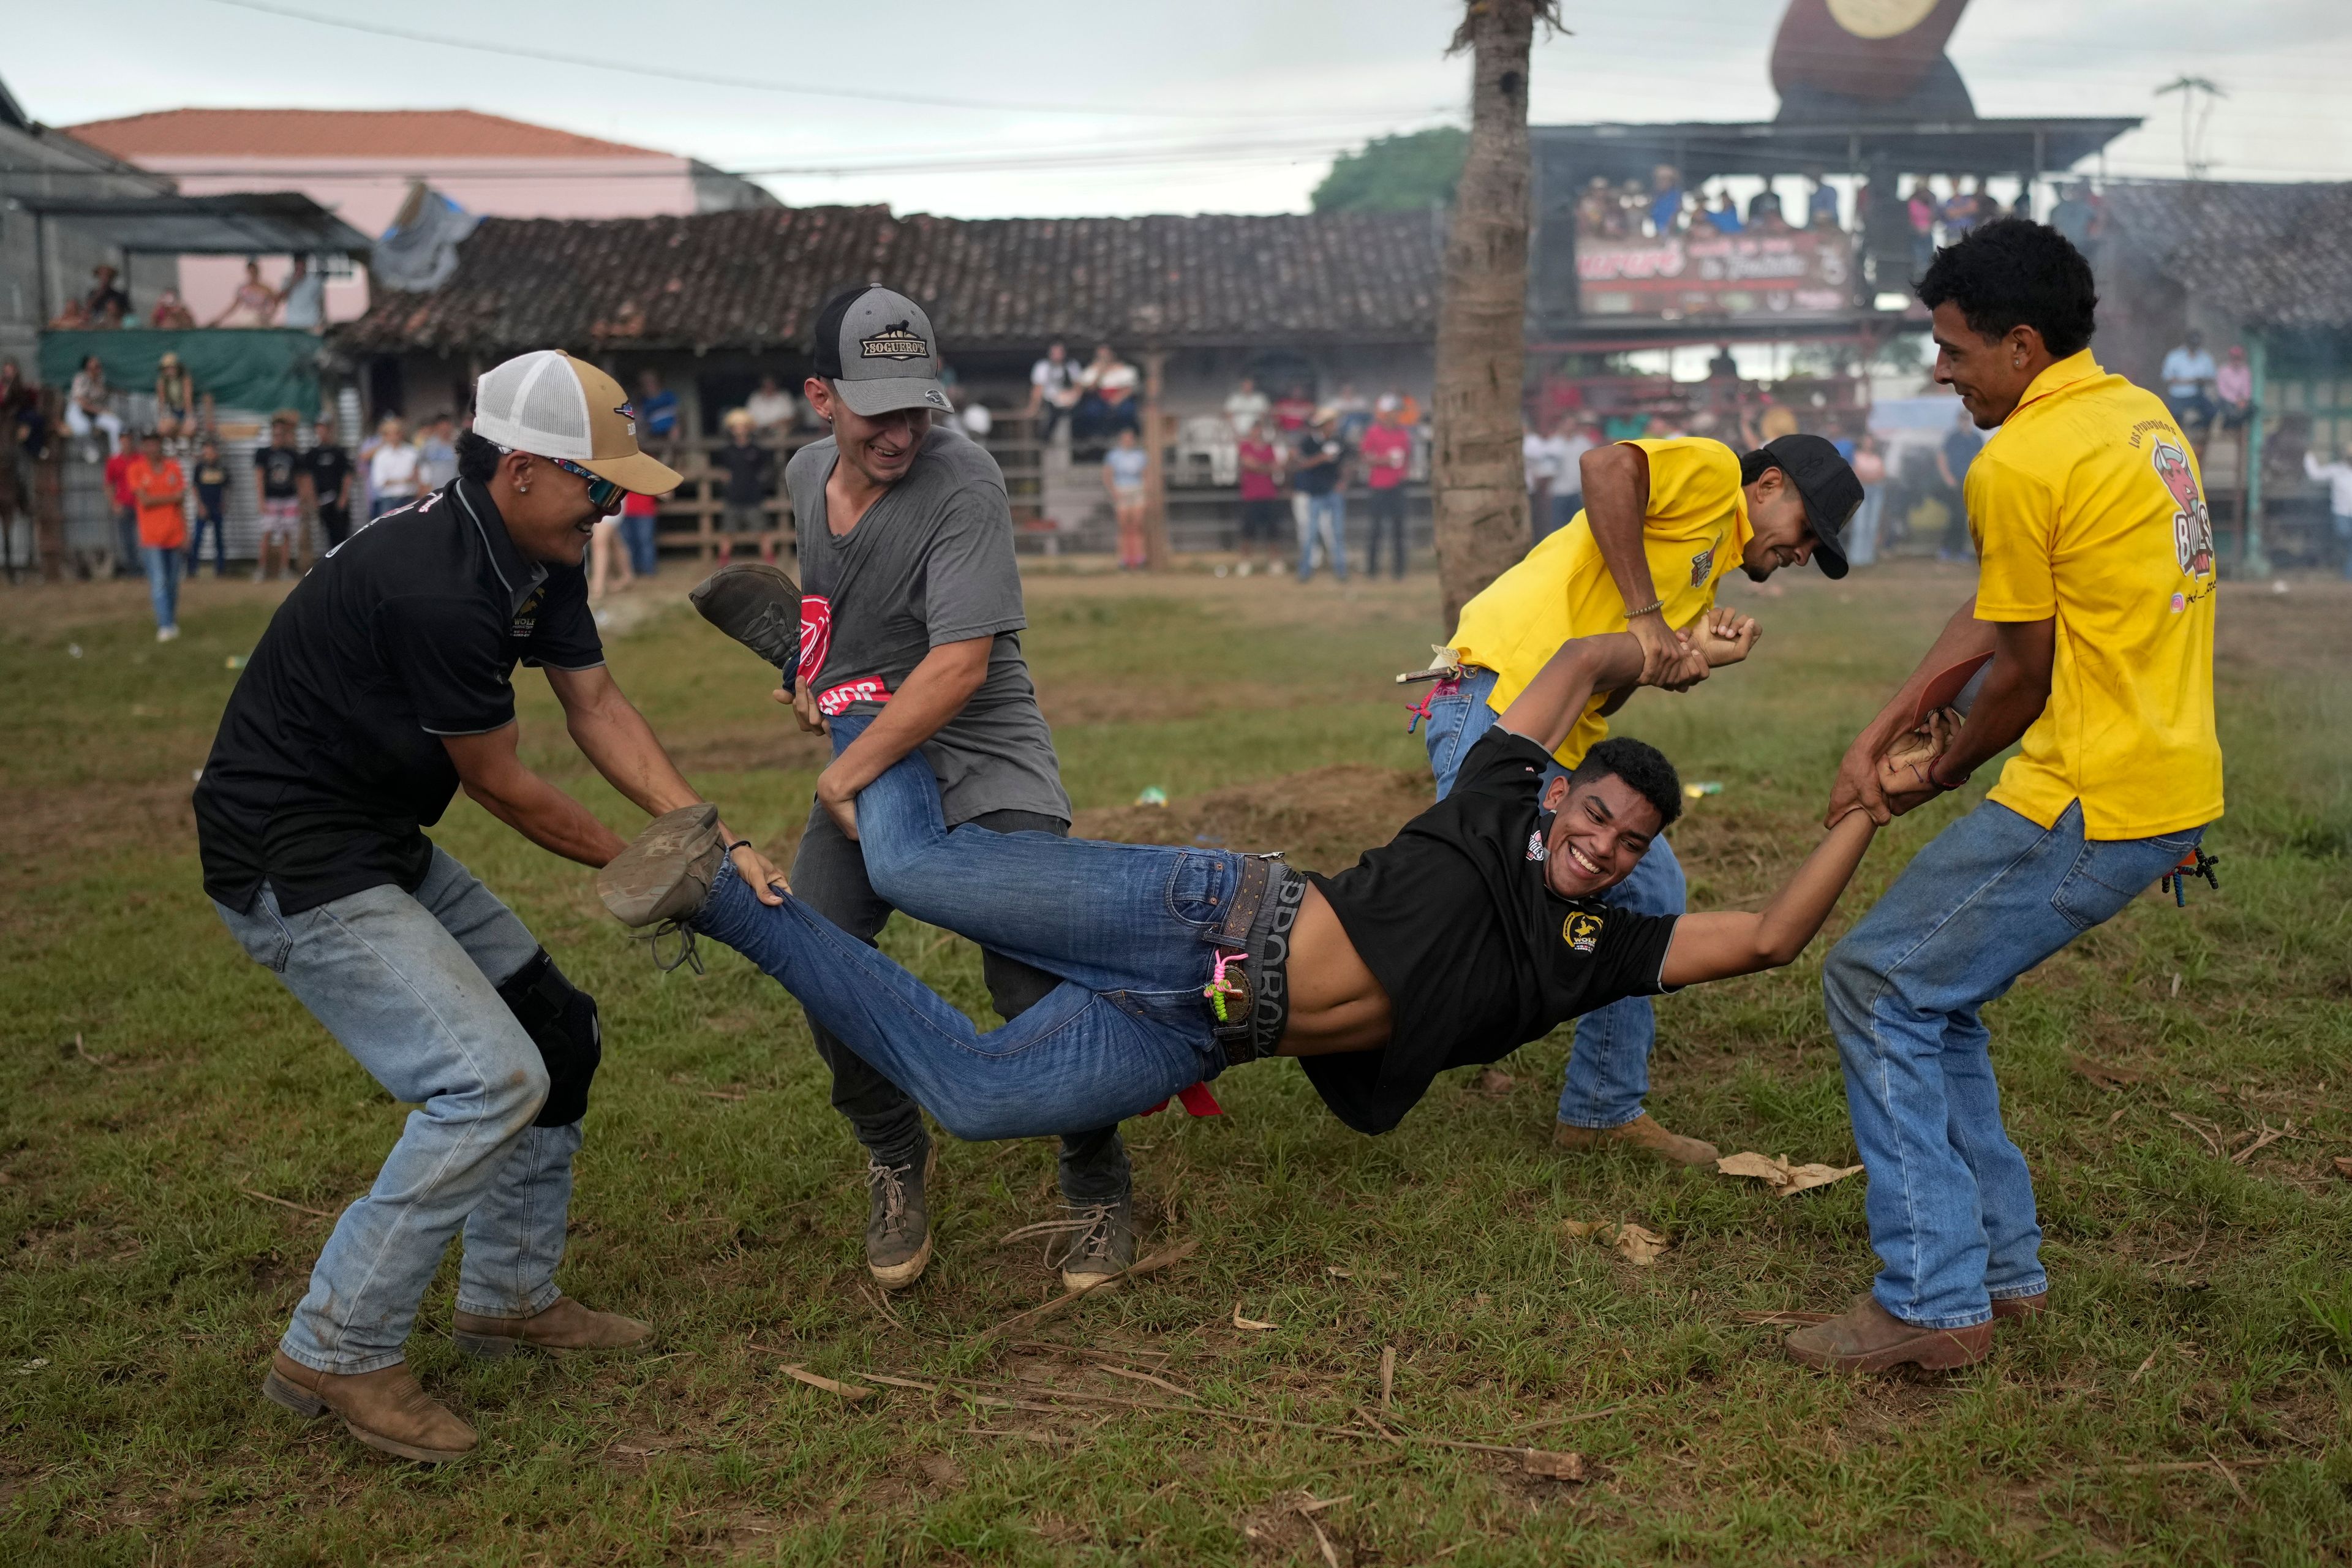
x=2186, y=1402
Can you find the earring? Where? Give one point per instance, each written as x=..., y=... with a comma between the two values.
x=522, y=489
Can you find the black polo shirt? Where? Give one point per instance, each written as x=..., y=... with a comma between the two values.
x=329, y=761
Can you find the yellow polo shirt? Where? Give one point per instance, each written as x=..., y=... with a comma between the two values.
x=2086, y=506
x=1693, y=533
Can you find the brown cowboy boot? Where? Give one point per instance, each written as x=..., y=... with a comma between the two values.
x=1866, y=1337
x=1642, y=1132
x=387, y=1410
x=563, y=1325
x=2031, y=1306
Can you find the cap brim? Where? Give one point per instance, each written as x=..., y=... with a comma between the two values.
x=636, y=472
x=873, y=398
x=1829, y=556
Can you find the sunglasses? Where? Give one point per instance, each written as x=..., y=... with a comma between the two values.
x=604, y=494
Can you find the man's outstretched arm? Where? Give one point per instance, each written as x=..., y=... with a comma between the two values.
x=1964, y=637
x=1718, y=946
x=1549, y=707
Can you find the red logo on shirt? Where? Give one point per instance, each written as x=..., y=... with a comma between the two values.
x=835, y=701
x=2192, y=525
x=816, y=636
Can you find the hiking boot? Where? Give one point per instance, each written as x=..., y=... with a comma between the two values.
x=759, y=607
x=1090, y=1243
x=666, y=872
x=897, y=1224
x=387, y=1410
x=1641, y=1133
x=2031, y=1306
x=1866, y=1337
x=563, y=1325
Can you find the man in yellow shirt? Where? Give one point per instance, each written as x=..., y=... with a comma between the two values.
x=2094, y=600
x=1663, y=522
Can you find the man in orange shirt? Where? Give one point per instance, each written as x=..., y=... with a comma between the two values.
x=160, y=491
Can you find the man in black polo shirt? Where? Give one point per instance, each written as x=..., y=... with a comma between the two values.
x=328, y=475
x=383, y=684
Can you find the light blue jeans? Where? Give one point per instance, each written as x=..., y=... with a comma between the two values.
x=1125, y=926
x=1950, y=1200
x=1324, y=516
x=1608, y=1072
x=408, y=984
x=163, y=582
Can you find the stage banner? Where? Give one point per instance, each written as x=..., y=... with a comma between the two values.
x=1801, y=273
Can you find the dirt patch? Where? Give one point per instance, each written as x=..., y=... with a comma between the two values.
x=1321, y=820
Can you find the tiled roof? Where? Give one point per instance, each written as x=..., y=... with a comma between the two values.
x=753, y=278
x=2271, y=254
x=340, y=133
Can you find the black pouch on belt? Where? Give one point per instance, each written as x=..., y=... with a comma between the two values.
x=561, y=1020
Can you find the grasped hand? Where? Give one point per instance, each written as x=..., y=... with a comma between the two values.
x=840, y=802
x=1724, y=637
x=803, y=702
x=1661, y=650
x=1904, y=772
x=758, y=873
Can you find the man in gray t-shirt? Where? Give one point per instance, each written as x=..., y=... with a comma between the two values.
x=911, y=613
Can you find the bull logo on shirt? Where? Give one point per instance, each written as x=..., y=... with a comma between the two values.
x=816, y=635
x=1701, y=564
x=1581, y=931
x=2192, y=525
x=526, y=616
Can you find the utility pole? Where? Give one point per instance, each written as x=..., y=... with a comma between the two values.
x=2193, y=119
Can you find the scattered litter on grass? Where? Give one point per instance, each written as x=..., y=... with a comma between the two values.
x=1553, y=1467
x=2107, y=1075
x=1250, y=1323
x=1783, y=1178
x=1634, y=1243
x=2344, y=1166
x=2175, y=984
x=73, y=651
x=1338, y=1273
x=2263, y=1138
x=1153, y=796
x=799, y=1374
x=234, y=661
x=1701, y=790
x=32, y=1366
x=1388, y=1374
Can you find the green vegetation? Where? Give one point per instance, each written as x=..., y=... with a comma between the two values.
x=2186, y=1402
x=1405, y=172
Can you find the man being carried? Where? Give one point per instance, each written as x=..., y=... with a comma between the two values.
x=1663, y=522
x=1478, y=928
x=383, y=684
x=2095, y=606
x=910, y=640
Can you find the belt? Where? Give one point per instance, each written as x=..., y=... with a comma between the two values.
x=1256, y=928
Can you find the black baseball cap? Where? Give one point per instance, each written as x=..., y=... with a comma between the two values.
x=876, y=347
x=1826, y=482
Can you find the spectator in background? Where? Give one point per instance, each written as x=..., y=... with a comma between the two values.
x=436, y=453
x=1592, y=207
x=751, y=470
x=1293, y=411
x=2233, y=389
x=1318, y=502
x=303, y=298
x=113, y=318
x=391, y=469
x=773, y=410
x=1821, y=202
x=1665, y=201
x=1534, y=457
x=254, y=304
x=1862, y=534
x=125, y=504
x=1953, y=459
x=74, y=317
x=608, y=560
x=1124, y=468
x=171, y=313
x=1963, y=210
x=1408, y=406
x=2188, y=374
x=175, y=398
x=212, y=510
x=657, y=407
x=1630, y=218
x=160, y=492
x=1244, y=406
x=1261, y=490
x=2337, y=476
x=277, y=475
x=86, y=405
x=975, y=418
x=1724, y=217
x=1920, y=208
x=1355, y=411
x=1566, y=447
x=2076, y=216
x=328, y=479
x=1764, y=204
x=1387, y=448
x=1106, y=398
x=1054, y=388
x=640, y=525
x=105, y=294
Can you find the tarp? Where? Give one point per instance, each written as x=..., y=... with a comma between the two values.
x=419, y=252
x=260, y=368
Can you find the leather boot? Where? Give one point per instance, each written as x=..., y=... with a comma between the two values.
x=1641, y=1133
x=2020, y=1306
x=387, y=1410
x=1866, y=1337
x=563, y=1325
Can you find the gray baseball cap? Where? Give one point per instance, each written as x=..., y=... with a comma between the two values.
x=877, y=346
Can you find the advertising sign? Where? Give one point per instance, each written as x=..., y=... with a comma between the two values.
x=1801, y=273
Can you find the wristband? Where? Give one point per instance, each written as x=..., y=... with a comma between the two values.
x=1654, y=607
x=746, y=844
x=1938, y=783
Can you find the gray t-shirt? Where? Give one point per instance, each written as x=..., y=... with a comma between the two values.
x=929, y=563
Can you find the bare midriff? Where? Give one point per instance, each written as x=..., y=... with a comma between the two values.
x=1335, y=1004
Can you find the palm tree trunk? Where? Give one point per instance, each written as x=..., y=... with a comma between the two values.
x=1479, y=488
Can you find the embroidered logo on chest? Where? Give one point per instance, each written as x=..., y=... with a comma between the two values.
x=1701, y=564
x=1581, y=931
x=1536, y=850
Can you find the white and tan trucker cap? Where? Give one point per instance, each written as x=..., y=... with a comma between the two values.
x=550, y=404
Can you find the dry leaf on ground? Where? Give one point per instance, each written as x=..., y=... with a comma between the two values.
x=2344, y=1166
x=1777, y=1172
x=1634, y=1243
x=1250, y=1323
x=1553, y=1466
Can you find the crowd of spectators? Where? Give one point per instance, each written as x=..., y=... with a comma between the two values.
x=298, y=299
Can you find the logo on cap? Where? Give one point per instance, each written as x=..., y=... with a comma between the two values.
x=894, y=341
x=934, y=396
x=628, y=411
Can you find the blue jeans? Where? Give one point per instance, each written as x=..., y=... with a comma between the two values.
x=1950, y=1200
x=408, y=984
x=208, y=520
x=1124, y=925
x=162, y=582
x=1608, y=1072
x=637, y=539
x=1325, y=515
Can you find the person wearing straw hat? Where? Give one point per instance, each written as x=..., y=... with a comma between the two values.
x=383, y=685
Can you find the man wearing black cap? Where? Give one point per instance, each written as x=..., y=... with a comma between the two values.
x=910, y=622
x=1663, y=522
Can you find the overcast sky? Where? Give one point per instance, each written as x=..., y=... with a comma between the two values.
x=1145, y=105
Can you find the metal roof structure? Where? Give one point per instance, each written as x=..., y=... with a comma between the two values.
x=271, y=223
x=1706, y=150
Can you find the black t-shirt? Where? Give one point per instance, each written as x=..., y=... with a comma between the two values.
x=278, y=466
x=212, y=486
x=1478, y=954
x=328, y=760
x=748, y=467
x=1318, y=479
x=328, y=467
